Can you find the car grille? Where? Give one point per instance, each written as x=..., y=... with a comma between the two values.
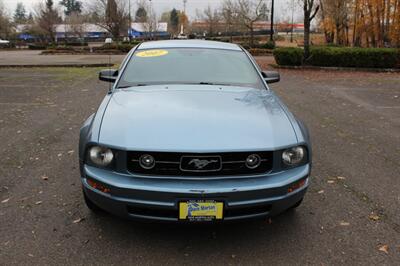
x=225, y=164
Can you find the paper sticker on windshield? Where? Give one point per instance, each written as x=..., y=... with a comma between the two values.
x=152, y=53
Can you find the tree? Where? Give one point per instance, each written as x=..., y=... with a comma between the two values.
x=212, y=18
x=335, y=16
x=174, y=21
x=48, y=18
x=310, y=11
x=230, y=16
x=76, y=24
x=112, y=15
x=146, y=15
x=71, y=6
x=141, y=15
x=183, y=20
x=366, y=22
x=165, y=16
x=20, y=14
x=249, y=12
x=5, y=22
x=30, y=19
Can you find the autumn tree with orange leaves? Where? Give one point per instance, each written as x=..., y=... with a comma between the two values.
x=364, y=23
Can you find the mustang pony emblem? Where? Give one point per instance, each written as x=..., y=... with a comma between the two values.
x=200, y=164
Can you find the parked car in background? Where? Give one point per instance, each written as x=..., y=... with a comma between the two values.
x=191, y=131
x=4, y=42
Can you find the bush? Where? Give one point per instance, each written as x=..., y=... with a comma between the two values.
x=76, y=44
x=279, y=38
x=340, y=57
x=135, y=42
x=268, y=45
x=259, y=51
x=288, y=56
x=37, y=46
x=354, y=57
x=61, y=48
x=123, y=47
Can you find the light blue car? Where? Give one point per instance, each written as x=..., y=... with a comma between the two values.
x=190, y=131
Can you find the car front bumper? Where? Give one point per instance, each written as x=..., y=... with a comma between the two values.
x=158, y=198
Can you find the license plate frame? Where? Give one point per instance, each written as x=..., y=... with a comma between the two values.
x=201, y=210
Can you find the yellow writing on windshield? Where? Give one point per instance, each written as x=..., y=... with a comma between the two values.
x=152, y=53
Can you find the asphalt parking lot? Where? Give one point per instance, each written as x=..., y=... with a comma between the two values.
x=351, y=214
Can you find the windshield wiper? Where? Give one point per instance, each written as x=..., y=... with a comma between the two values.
x=211, y=83
x=183, y=83
x=133, y=85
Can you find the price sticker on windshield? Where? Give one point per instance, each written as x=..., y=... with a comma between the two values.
x=152, y=53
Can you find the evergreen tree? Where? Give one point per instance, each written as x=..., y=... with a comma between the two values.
x=20, y=14
x=174, y=20
x=71, y=6
x=49, y=4
x=141, y=15
x=48, y=18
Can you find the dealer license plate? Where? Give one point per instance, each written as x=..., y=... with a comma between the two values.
x=201, y=210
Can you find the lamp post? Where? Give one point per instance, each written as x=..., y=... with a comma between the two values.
x=150, y=22
x=291, y=32
x=130, y=22
x=184, y=13
x=271, y=34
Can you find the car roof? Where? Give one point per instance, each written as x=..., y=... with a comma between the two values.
x=189, y=44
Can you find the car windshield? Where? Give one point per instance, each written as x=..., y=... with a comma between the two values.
x=190, y=66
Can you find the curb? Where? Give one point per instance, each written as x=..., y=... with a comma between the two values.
x=351, y=69
x=59, y=65
x=94, y=53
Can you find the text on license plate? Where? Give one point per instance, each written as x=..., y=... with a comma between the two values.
x=201, y=210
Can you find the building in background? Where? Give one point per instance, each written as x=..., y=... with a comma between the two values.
x=204, y=28
x=145, y=30
x=91, y=32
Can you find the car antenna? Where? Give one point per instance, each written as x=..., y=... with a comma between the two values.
x=109, y=54
x=109, y=66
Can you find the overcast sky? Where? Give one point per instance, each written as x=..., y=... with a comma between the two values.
x=166, y=5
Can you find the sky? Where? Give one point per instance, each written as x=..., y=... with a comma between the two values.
x=160, y=6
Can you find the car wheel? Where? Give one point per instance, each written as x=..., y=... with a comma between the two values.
x=91, y=205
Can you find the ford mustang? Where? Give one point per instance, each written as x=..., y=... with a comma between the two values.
x=191, y=131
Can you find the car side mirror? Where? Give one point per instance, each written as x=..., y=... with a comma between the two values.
x=271, y=76
x=108, y=75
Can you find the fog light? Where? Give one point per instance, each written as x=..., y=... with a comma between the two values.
x=253, y=161
x=98, y=186
x=147, y=161
x=297, y=185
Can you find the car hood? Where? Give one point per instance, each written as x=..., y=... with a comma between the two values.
x=195, y=118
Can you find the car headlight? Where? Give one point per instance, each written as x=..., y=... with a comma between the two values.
x=101, y=156
x=293, y=155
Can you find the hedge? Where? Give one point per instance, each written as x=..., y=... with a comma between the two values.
x=259, y=51
x=37, y=46
x=340, y=57
x=288, y=56
x=120, y=47
x=354, y=57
